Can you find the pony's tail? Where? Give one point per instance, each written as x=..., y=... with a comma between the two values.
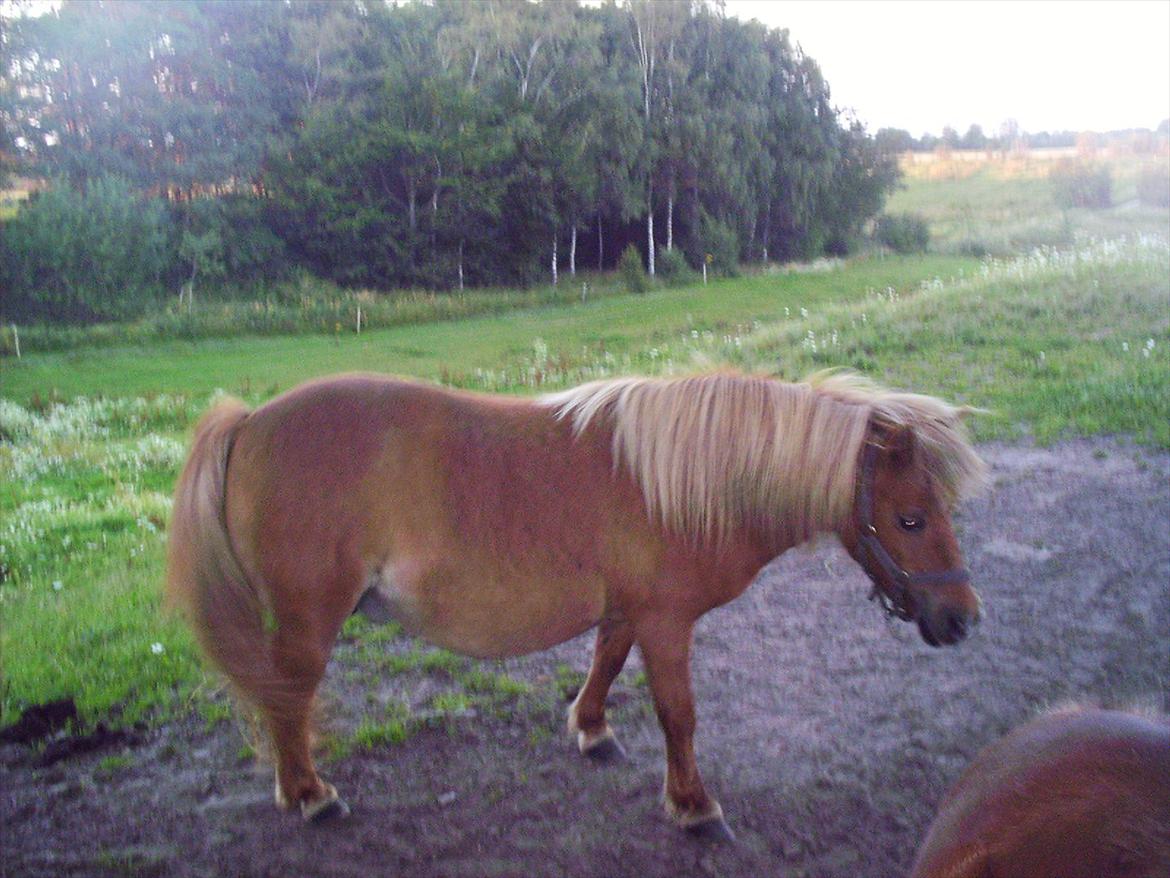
x=205, y=580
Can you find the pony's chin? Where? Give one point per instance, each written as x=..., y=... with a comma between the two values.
x=927, y=634
x=942, y=634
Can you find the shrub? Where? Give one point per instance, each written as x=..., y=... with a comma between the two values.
x=1081, y=184
x=631, y=270
x=672, y=266
x=82, y=256
x=902, y=232
x=1153, y=186
x=721, y=245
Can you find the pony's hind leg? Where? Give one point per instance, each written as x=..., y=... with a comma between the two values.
x=287, y=708
x=595, y=738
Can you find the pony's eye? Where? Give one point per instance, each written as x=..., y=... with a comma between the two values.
x=911, y=522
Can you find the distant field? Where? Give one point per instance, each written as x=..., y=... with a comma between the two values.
x=1004, y=207
x=1066, y=332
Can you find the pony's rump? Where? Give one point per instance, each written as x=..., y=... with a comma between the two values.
x=1077, y=793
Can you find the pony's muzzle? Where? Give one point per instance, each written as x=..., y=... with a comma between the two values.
x=946, y=626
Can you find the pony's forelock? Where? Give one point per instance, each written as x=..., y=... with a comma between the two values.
x=720, y=451
x=939, y=428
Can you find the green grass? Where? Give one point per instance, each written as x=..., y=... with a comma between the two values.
x=392, y=726
x=462, y=351
x=1056, y=342
x=302, y=306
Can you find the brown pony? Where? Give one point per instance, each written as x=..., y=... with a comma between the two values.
x=1074, y=794
x=498, y=526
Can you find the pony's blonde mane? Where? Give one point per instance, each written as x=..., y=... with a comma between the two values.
x=722, y=451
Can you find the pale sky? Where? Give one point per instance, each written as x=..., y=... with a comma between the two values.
x=1053, y=65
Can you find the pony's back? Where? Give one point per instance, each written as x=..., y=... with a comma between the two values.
x=1070, y=794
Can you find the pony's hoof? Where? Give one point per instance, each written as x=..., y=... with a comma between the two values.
x=714, y=830
x=606, y=751
x=707, y=825
x=328, y=809
x=602, y=747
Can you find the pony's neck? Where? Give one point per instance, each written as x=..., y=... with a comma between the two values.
x=809, y=481
x=726, y=456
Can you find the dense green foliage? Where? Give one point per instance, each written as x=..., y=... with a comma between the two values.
x=630, y=268
x=80, y=255
x=430, y=145
x=902, y=232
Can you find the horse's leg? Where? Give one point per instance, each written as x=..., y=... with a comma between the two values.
x=595, y=738
x=666, y=645
x=287, y=705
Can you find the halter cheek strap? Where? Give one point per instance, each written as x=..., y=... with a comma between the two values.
x=892, y=594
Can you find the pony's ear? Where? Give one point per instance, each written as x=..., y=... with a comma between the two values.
x=897, y=442
x=965, y=412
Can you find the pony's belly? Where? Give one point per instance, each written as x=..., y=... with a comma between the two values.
x=487, y=615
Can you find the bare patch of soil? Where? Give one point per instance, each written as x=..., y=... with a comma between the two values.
x=828, y=734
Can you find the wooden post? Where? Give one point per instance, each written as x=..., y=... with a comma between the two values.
x=359, y=320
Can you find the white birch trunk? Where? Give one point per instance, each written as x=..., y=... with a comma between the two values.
x=670, y=222
x=650, y=242
x=573, y=253
x=650, y=230
x=554, y=260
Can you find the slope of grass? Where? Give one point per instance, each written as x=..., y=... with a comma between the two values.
x=453, y=350
x=1058, y=343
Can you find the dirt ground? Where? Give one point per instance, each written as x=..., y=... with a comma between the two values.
x=828, y=733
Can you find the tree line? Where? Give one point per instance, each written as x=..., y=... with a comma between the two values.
x=1010, y=137
x=438, y=145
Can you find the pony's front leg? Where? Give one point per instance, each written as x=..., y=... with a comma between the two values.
x=666, y=646
x=595, y=738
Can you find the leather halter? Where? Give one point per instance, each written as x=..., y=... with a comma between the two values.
x=892, y=593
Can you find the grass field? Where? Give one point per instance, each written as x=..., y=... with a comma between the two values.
x=452, y=350
x=1066, y=331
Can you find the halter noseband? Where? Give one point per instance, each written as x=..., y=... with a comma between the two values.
x=893, y=594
